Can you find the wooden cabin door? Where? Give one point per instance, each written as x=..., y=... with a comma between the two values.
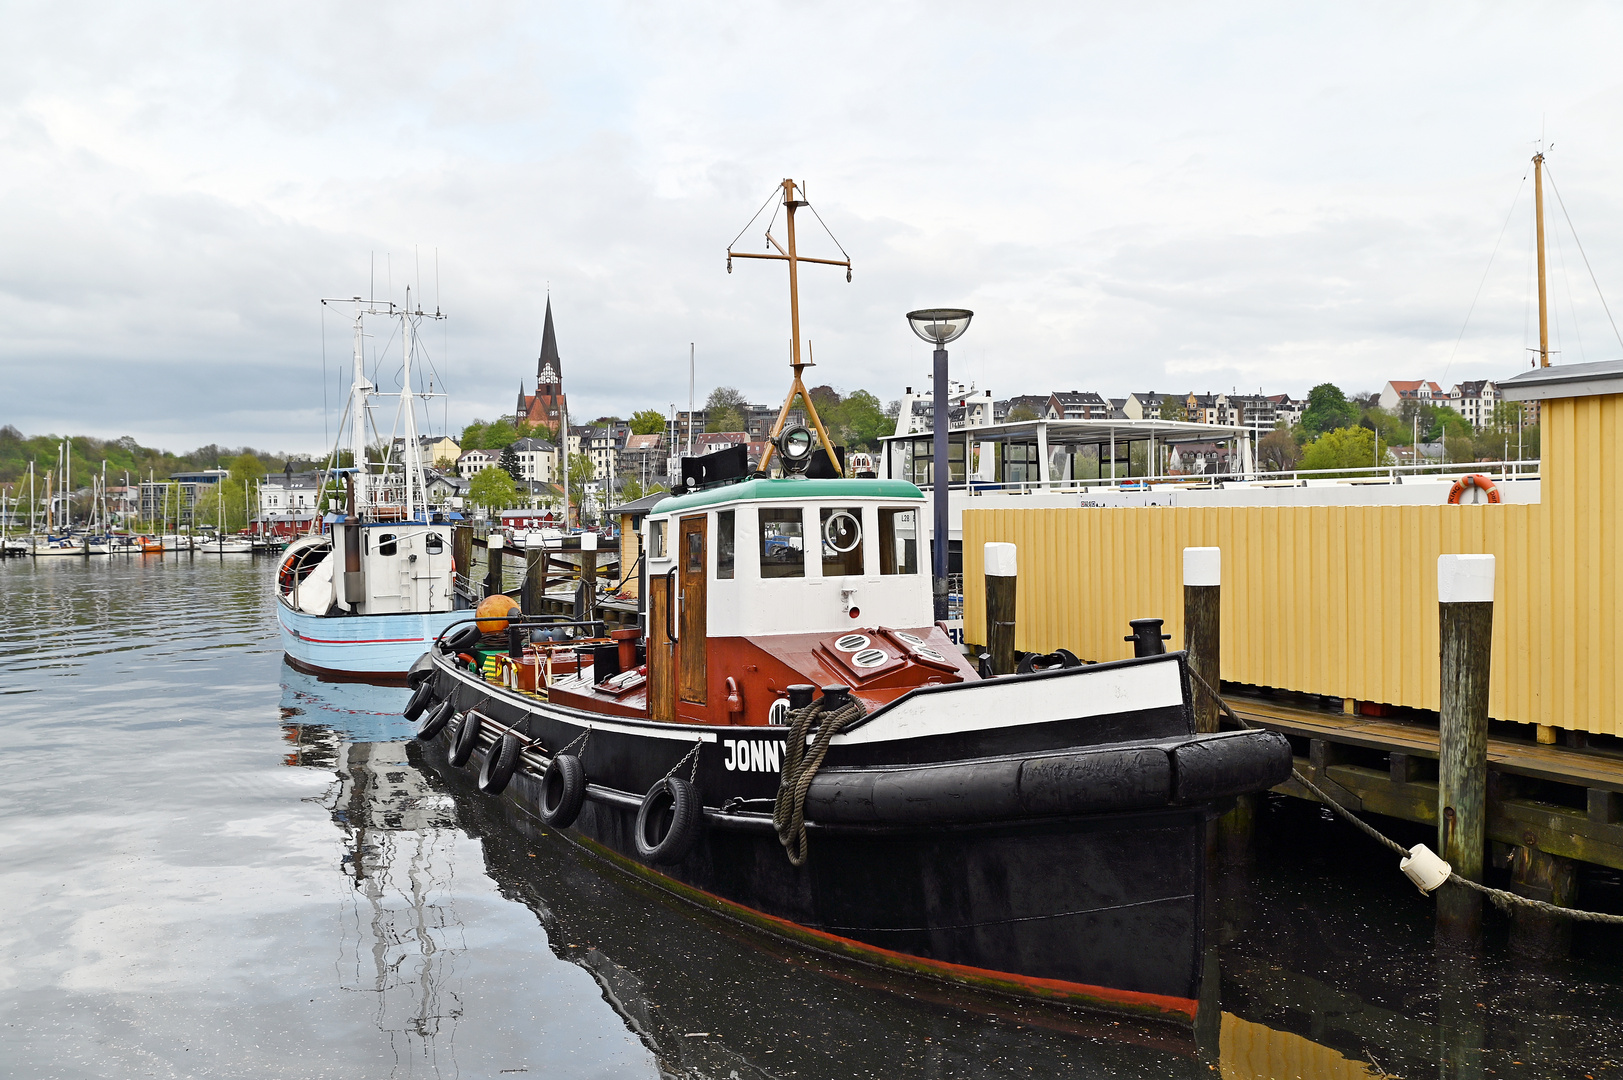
x=690, y=647
x=661, y=649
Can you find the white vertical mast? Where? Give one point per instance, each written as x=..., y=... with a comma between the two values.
x=412, y=458
x=359, y=390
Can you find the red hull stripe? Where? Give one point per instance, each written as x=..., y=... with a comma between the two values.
x=1130, y=1000
x=354, y=641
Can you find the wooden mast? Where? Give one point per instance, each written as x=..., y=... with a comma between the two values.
x=796, y=387
x=1538, y=217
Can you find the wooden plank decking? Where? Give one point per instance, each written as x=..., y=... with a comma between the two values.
x=1562, y=801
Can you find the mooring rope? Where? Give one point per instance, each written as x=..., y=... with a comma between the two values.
x=800, y=765
x=1501, y=898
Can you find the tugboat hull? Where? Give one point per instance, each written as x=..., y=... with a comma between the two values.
x=1085, y=886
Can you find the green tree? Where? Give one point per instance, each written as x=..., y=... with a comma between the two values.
x=473, y=436
x=858, y=421
x=724, y=419
x=581, y=472
x=1458, y=448
x=725, y=397
x=1327, y=410
x=508, y=463
x=1022, y=413
x=247, y=468
x=647, y=422
x=1344, y=448
x=1277, y=451
x=493, y=489
x=631, y=490
x=499, y=434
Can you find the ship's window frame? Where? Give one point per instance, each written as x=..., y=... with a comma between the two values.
x=434, y=543
x=386, y=544
x=778, y=568
x=836, y=563
x=657, y=529
x=726, y=545
x=889, y=533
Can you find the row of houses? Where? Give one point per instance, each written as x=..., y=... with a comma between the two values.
x=1475, y=400
x=968, y=407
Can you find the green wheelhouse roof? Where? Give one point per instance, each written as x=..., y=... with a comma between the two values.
x=789, y=487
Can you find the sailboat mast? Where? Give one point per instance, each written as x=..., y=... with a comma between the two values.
x=411, y=460
x=359, y=388
x=1538, y=217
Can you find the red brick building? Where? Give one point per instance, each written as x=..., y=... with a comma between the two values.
x=548, y=404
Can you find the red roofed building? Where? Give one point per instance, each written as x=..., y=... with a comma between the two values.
x=547, y=405
x=1394, y=394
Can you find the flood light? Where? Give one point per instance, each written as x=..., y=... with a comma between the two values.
x=939, y=325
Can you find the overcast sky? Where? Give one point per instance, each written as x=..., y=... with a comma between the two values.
x=1130, y=197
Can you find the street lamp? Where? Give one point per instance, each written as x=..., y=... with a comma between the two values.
x=939, y=326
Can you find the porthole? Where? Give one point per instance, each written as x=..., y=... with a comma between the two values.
x=852, y=643
x=870, y=658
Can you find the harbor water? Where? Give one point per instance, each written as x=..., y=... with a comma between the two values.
x=215, y=866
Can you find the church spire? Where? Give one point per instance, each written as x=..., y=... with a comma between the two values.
x=549, y=369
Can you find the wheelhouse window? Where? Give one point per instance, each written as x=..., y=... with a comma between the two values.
x=783, y=543
x=898, y=541
x=434, y=544
x=724, y=544
x=386, y=544
x=656, y=539
x=841, y=531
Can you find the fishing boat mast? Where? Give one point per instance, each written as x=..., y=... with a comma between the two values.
x=1538, y=219
x=794, y=197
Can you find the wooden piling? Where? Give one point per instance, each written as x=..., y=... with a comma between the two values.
x=1000, y=606
x=1202, y=628
x=493, y=576
x=588, y=575
x=462, y=552
x=1465, y=606
x=535, y=577
x=1538, y=875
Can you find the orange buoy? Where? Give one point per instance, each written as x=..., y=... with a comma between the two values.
x=493, y=613
x=1464, y=483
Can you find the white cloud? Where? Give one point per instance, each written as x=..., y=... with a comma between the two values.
x=1129, y=198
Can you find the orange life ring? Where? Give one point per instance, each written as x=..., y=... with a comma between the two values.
x=1473, y=480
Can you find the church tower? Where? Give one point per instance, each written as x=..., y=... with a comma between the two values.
x=547, y=404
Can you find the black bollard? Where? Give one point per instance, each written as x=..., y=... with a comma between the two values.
x=1147, y=637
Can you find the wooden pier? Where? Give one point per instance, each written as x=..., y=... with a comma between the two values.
x=1561, y=801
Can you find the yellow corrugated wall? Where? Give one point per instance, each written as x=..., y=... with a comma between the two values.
x=1342, y=601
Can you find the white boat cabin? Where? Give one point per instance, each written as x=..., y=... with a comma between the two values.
x=370, y=568
x=791, y=556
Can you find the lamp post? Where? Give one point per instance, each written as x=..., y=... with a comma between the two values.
x=939, y=326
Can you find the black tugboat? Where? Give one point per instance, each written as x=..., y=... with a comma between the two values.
x=791, y=739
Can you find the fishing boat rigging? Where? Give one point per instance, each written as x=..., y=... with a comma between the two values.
x=374, y=580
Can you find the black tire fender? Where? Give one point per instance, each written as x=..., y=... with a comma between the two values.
x=501, y=762
x=563, y=791
x=461, y=638
x=420, y=698
x=668, y=821
x=467, y=737
x=435, y=721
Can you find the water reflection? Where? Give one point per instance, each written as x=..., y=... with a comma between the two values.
x=217, y=865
